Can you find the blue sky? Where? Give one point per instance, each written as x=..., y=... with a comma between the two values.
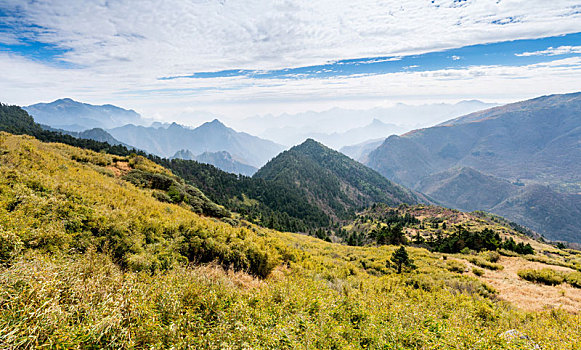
x=508, y=53
x=177, y=59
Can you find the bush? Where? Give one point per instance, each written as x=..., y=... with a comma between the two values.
x=423, y=282
x=507, y=252
x=10, y=246
x=455, y=266
x=574, y=279
x=479, y=261
x=477, y=271
x=544, y=276
x=237, y=253
x=491, y=256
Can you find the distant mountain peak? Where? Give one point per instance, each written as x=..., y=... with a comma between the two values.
x=310, y=141
x=68, y=114
x=214, y=123
x=66, y=99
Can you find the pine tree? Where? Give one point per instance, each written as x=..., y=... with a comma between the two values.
x=401, y=258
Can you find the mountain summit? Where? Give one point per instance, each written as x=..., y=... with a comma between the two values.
x=71, y=115
x=332, y=180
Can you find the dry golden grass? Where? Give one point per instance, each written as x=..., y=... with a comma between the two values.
x=531, y=296
x=119, y=168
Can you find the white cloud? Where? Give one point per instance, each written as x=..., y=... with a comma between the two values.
x=553, y=51
x=177, y=36
x=122, y=47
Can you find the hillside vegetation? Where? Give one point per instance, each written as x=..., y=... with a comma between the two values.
x=89, y=259
x=57, y=198
x=331, y=180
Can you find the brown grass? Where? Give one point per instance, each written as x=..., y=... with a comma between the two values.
x=531, y=296
x=119, y=168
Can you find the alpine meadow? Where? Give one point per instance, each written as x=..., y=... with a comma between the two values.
x=290, y=174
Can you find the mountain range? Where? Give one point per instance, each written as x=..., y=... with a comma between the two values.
x=71, y=115
x=209, y=137
x=375, y=129
x=338, y=127
x=519, y=160
x=474, y=162
x=116, y=125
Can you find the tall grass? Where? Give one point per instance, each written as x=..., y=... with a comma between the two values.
x=87, y=301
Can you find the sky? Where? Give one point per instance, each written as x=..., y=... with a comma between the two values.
x=189, y=59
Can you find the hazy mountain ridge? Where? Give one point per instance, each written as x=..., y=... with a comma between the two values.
x=291, y=129
x=209, y=137
x=375, y=129
x=534, y=141
x=467, y=189
x=71, y=115
x=96, y=134
x=222, y=160
x=360, y=151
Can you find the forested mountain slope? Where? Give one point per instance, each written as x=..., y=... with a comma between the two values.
x=332, y=180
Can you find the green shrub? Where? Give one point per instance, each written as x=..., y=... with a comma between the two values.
x=455, y=266
x=423, y=282
x=574, y=279
x=479, y=261
x=491, y=256
x=545, y=276
x=10, y=246
x=477, y=271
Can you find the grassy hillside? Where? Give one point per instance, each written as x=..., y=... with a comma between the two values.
x=58, y=198
x=331, y=180
x=91, y=260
